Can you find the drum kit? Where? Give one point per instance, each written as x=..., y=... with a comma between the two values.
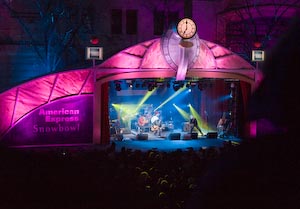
x=143, y=121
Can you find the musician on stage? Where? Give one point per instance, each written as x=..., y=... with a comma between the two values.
x=223, y=126
x=156, y=124
x=142, y=122
x=194, y=124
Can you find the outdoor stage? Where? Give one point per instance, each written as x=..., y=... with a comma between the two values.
x=169, y=141
x=131, y=141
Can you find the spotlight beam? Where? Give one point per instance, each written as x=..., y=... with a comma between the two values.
x=171, y=97
x=144, y=99
x=183, y=113
x=203, y=124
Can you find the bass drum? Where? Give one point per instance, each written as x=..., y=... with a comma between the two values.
x=142, y=121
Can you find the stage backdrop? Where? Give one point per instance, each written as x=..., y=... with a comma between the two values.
x=66, y=121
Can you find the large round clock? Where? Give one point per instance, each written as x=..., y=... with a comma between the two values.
x=186, y=28
x=173, y=45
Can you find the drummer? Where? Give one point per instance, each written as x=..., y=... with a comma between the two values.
x=142, y=122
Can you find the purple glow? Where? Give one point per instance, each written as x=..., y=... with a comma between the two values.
x=68, y=120
x=144, y=60
x=19, y=101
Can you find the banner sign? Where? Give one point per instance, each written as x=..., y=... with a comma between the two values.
x=65, y=121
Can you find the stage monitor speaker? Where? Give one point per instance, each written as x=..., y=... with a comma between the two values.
x=126, y=131
x=186, y=127
x=186, y=136
x=174, y=136
x=142, y=137
x=194, y=135
x=119, y=137
x=212, y=135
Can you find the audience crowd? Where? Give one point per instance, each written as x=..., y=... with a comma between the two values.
x=91, y=178
x=260, y=173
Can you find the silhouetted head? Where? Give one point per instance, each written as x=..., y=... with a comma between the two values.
x=277, y=97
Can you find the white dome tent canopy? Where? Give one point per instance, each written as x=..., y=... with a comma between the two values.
x=142, y=61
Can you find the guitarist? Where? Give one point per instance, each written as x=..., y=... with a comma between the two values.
x=194, y=124
x=156, y=124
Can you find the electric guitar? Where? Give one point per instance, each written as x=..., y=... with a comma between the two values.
x=154, y=127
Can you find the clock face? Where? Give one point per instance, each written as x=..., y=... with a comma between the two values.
x=186, y=28
x=171, y=45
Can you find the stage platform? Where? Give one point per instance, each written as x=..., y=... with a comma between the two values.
x=170, y=141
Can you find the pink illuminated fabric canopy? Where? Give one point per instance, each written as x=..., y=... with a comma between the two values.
x=21, y=100
x=148, y=55
x=144, y=60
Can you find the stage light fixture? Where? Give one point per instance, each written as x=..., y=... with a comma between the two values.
x=159, y=84
x=150, y=86
x=176, y=87
x=193, y=84
x=130, y=83
x=118, y=86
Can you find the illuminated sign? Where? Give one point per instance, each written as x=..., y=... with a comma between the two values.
x=65, y=121
x=258, y=55
x=94, y=53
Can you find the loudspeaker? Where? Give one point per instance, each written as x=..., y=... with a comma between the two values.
x=142, y=137
x=186, y=136
x=119, y=137
x=126, y=131
x=194, y=135
x=174, y=136
x=212, y=135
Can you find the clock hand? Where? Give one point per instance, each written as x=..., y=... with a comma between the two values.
x=185, y=27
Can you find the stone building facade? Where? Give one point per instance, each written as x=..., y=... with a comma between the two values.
x=38, y=39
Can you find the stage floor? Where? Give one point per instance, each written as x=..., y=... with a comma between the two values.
x=166, y=143
x=152, y=142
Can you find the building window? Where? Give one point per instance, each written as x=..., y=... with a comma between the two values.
x=131, y=22
x=158, y=22
x=173, y=18
x=163, y=20
x=116, y=21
